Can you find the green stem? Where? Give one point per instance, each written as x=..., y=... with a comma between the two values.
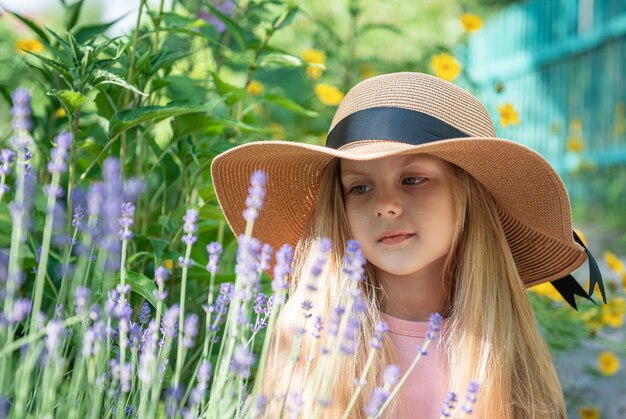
x=360, y=384
x=181, y=319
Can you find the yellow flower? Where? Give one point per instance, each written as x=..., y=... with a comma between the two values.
x=608, y=363
x=32, y=45
x=471, y=22
x=508, y=115
x=613, y=262
x=589, y=412
x=255, y=88
x=328, y=95
x=624, y=281
x=60, y=113
x=168, y=263
x=278, y=131
x=315, y=60
x=367, y=71
x=445, y=66
x=581, y=236
x=613, y=312
x=575, y=144
x=547, y=290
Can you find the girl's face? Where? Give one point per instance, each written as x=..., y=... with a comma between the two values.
x=400, y=210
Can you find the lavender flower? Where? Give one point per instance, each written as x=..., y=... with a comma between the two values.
x=335, y=320
x=199, y=391
x=58, y=154
x=317, y=327
x=221, y=305
x=470, y=397
x=190, y=218
x=126, y=221
x=391, y=375
x=81, y=299
x=169, y=324
x=21, y=110
x=226, y=7
x=323, y=248
x=376, y=401
x=256, y=195
x=353, y=261
x=190, y=330
x=215, y=251
x=144, y=314
x=449, y=404
x=264, y=257
x=21, y=309
x=380, y=329
x=259, y=303
x=6, y=159
x=160, y=276
x=111, y=212
x=434, y=325
x=79, y=215
x=89, y=339
x=126, y=376
x=54, y=333
x=133, y=187
x=242, y=361
x=148, y=353
x=282, y=269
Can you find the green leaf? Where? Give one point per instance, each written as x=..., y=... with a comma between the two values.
x=187, y=124
x=105, y=106
x=42, y=35
x=128, y=118
x=142, y=285
x=73, y=13
x=70, y=100
x=235, y=30
x=232, y=94
x=85, y=33
x=55, y=65
x=379, y=26
x=105, y=77
x=282, y=60
x=290, y=105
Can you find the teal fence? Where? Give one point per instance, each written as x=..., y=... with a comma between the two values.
x=562, y=64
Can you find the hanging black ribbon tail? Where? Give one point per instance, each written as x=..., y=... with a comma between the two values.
x=568, y=287
x=595, y=277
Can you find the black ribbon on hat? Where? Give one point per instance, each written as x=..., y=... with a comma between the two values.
x=414, y=127
x=568, y=287
x=393, y=124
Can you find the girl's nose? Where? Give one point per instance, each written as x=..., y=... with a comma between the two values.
x=387, y=205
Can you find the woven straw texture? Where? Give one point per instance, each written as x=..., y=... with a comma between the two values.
x=533, y=203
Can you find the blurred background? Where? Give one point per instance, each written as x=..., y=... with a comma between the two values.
x=549, y=71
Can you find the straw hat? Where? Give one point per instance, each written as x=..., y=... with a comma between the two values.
x=407, y=113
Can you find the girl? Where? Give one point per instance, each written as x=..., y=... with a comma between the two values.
x=450, y=219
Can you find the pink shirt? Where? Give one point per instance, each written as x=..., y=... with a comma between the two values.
x=423, y=393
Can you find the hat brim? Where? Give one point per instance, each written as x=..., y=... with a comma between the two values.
x=533, y=202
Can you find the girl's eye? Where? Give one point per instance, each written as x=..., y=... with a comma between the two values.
x=359, y=189
x=412, y=180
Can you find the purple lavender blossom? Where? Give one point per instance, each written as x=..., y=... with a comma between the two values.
x=6, y=159
x=199, y=391
x=59, y=153
x=256, y=195
x=242, y=361
x=434, y=325
x=89, y=340
x=160, y=276
x=317, y=327
x=282, y=269
x=247, y=256
x=111, y=303
x=148, y=353
x=353, y=261
x=471, y=397
x=126, y=221
x=81, y=299
x=144, y=314
x=260, y=303
x=54, y=334
x=133, y=188
x=264, y=258
x=335, y=320
x=323, y=248
x=169, y=324
x=221, y=305
x=377, y=399
x=380, y=329
x=190, y=219
x=20, y=211
x=391, y=375
x=185, y=263
x=190, y=330
x=226, y=7
x=21, y=310
x=21, y=110
x=215, y=252
x=449, y=404
x=79, y=216
x=126, y=376
x=111, y=211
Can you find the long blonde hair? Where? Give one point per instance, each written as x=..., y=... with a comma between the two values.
x=491, y=336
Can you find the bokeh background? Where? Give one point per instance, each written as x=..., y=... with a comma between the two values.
x=549, y=71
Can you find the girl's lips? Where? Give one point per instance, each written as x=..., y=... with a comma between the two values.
x=396, y=239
